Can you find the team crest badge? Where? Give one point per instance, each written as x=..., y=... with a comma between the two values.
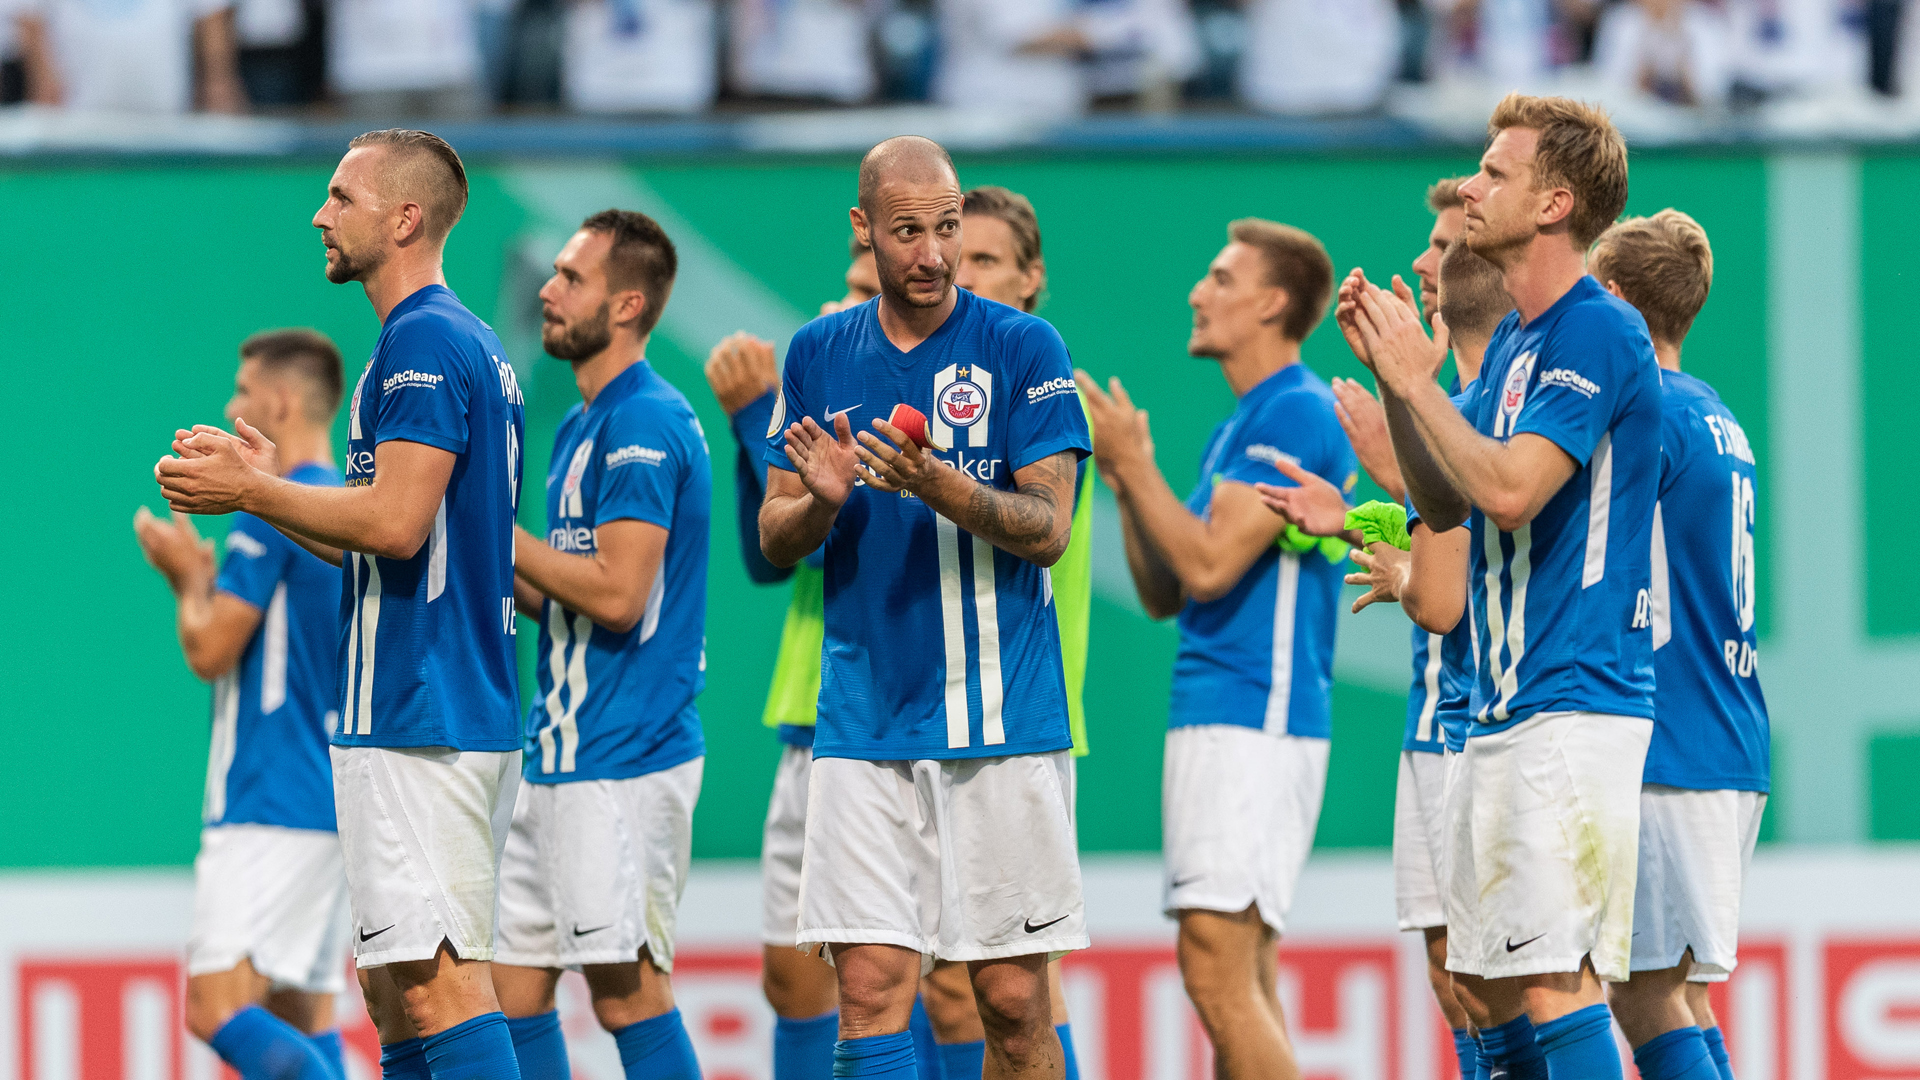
x=1513, y=394
x=962, y=403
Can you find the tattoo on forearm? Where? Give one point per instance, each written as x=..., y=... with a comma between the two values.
x=1025, y=517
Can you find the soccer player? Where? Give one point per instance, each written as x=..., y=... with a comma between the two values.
x=1000, y=260
x=270, y=893
x=939, y=817
x=1555, y=462
x=597, y=856
x=426, y=756
x=1247, y=746
x=1707, y=769
x=1464, y=291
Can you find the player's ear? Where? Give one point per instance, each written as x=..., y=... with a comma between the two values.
x=861, y=229
x=632, y=303
x=1275, y=305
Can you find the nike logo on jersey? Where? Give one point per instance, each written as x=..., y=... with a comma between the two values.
x=831, y=413
x=364, y=936
x=1181, y=882
x=577, y=932
x=1511, y=947
x=1032, y=929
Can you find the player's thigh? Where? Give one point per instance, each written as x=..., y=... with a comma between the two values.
x=870, y=868
x=422, y=830
x=1010, y=865
x=782, y=844
x=798, y=985
x=1219, y=952
x=1239, y=810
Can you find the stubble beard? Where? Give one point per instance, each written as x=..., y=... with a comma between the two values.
x=343, y=267
x=580, y=341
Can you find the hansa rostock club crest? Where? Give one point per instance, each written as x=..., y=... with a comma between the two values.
x=962, y=403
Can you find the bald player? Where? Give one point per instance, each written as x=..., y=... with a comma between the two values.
x=939, y=820
x=426, y=755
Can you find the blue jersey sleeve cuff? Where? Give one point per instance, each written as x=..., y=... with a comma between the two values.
x=648, y=514
x=779, y=460
x=1560, y=439
x=429, y=437
x=1047, y=448
x=750, y=424
x=232, y=590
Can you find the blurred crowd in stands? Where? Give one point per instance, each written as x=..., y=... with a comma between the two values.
x=458, y=59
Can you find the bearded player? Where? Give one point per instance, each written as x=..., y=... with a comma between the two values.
x=426, y=757
x=939, y=818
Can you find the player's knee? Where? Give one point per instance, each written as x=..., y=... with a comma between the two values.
x=1012, y=1008
x=205, y=1018
x=872, y=984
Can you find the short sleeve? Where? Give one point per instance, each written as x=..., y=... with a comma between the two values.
x=255, y=561
x=1295, y=427
x=425, y=384
x=642, y=462
x=200, y=9
x=1045, y=415
x=791, y=403
x=1581, y=376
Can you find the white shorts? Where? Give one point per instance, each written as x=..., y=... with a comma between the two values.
x=781, y=844
x=422, y=828
x=958, y=860
x=273, y=895
x=1543, y=822
x=1694, y=851
x=594, y=869
x=1238, y=808
x=1419, y=839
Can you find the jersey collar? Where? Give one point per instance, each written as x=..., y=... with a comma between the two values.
x=415, y=298
x=1285, y=379
x=622, y=386
x=927, y=347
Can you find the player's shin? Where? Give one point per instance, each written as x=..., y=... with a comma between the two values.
x=1581, y=1044
x=803, y=1049
x=1681, y=1054
x=476, y=1049
x=1513, y=1048
x=657, y=1049
x=876, y=1057
x=261, y=1046
x=1717, y=1050
x=404, y=1060
x=540, y=1047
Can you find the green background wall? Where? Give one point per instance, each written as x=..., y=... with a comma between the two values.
x=127, y=290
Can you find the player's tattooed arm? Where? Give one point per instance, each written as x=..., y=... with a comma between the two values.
x=1033, y=521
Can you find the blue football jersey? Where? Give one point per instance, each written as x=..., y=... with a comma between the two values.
x=938, y=644
x=1262, y=655
x=612, y=705
x=426, y=643
x=1442, y=690
x=267, y=763
x=1710, y=730
x=1561, y=605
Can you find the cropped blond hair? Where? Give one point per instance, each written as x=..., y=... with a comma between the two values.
x=1579, y=150
x=1663, y=266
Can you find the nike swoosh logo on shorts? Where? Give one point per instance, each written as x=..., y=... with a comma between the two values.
x=364, y=936
x=1511, y=947
x=577, y=932
x=1032, y=929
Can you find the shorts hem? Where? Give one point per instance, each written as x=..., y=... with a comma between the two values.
x=1437, y=922
x=1554, y=966
x=304, y=982
x=1172, y=910
x=862, y=937
x=405, y=954
x=1050, y=947
x=525, y=960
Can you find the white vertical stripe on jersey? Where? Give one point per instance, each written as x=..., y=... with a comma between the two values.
x=954, y=629
x=1496, y=616
x=273, y=652
x=977, y=434
x=353, y=647
x=986, y=612
x=557, y=675
x=938, y=428
x=1520, y=572
x=650, y=622
x=220, y=749
x=1659, y=599
x=576, y=692
x=369, y=635
x=1046, y=586
x=437, y=554
x=1430, y=678
x=1286, y=597
x=1599, y=509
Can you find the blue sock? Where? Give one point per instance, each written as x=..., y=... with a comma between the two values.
x=539, y=1046
x=876, y=1057
x=476, y=1049
x=926, y=1055
x=657, y=1049
x=331, y=1049
x=1717, y=1050
x=404, y=1060
x=1467, y=1050
x=803, y=1049
x=1065, y=1031
x=1580, y=1044
x=1680, y=1054
x=1512, y=1048
x=1482, y=1064
x=962, y=1061
x=261, y=1046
